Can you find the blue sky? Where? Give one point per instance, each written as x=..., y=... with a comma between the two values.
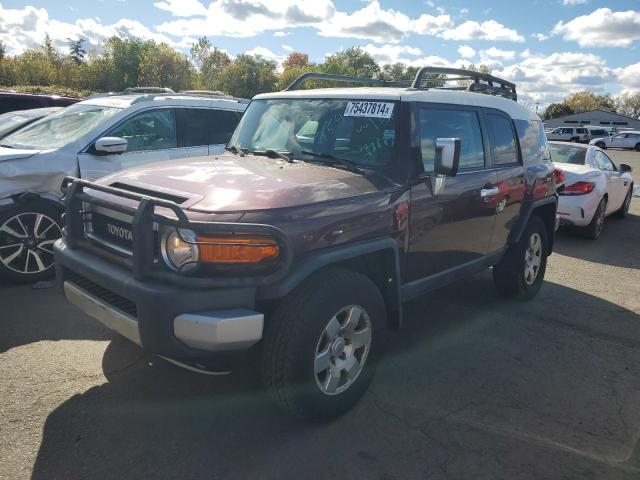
x=549, y=47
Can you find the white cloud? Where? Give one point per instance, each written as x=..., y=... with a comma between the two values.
x=466, y=51
x=23, y=28
x=488, y=30
x=287, y=48
x=549, y=78
x=629, y=78
x=281, y=34
x=574, y=2
x=602, y=28
x=391, y=53
x=494, y=52
x=541, y=37
x=182, y=8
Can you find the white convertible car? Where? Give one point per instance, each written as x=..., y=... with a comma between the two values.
x=593, y=186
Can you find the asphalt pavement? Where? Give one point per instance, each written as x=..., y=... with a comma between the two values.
x=473, y=387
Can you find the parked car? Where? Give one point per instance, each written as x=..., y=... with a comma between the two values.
x=629, y=140
x=594, y=187
x=12, y=121
x=11, y=101
x=598, y=132
x=328, y=211
x=568, y=134
x=92, y=139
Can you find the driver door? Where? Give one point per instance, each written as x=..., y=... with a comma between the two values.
x=151, y=137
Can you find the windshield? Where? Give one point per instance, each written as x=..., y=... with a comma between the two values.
x=360, y=132
x=10, y=121
x=567, y=154
x=59, y=129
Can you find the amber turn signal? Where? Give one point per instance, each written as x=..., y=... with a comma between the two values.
x=237, y=249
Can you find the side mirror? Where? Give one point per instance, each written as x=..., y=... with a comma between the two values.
x=623, y=168
x=111, y=145
x=447, y=156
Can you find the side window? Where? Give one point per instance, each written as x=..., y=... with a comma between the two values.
x=503, y=142
x=223, y=123
x=533, y=141
x=441, y=123
x=604, y=162
x=149, y=130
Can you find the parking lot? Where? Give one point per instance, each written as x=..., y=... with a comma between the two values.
x=473, y=387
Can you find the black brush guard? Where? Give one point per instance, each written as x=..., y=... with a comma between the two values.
x=142, y=263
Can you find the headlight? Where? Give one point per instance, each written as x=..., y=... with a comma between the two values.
x=178, y=253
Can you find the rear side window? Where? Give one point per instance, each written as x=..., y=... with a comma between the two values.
x=441, y=123
x=503, y=142
x=533, y=141
x=199, y=126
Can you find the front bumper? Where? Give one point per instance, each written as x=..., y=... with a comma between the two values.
x=182, y=323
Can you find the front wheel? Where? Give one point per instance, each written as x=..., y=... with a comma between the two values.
x=624, y=210
x=321, y=344
x=601, y=145
x=521, y=271
x=637, y=147
x=27, y=235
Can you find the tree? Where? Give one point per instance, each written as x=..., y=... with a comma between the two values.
x=353, y=61
x=161, y=65
x=556, y=110
x=296, y=59
x=586, y=101
x=76, y=50
x=200, y=50
x=247, y=76
x=3, y=50
x=629, y=104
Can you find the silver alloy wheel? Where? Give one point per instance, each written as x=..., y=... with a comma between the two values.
x=342, y=350
x=26, y=242
x=627, y=201
x=532, y=259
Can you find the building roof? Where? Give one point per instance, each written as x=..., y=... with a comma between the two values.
x=596, y=110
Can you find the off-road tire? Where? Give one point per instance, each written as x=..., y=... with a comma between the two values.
x=509, y=273
x=292, y=334
x=596, y=226
x=624, y=209
x=28, y=212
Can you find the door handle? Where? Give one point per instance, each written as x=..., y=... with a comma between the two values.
x=489, y=192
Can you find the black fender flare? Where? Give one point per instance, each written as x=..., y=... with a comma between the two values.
x=315, y=261
x=24, y=198
x=523, y=219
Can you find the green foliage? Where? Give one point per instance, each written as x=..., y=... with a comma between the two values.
x=247, y=76
x=556, y=110
x=353, y=61
x=49, y=90
x=76, y=50
x=629, y=104
x=586, y=101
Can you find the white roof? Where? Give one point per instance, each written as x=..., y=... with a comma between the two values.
x=124, y=101
x=454, y=97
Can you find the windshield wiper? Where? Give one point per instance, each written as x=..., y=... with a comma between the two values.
x=236, y=149
x=334, y=161
x=273, y=154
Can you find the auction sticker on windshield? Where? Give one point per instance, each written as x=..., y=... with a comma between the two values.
x=369, y=109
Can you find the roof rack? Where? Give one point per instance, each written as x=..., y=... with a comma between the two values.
x=152, y=96
x=204, y=93
x=134, y=90
x=480, y=82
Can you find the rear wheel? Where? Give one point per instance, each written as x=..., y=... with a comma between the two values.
x=521, y=271
x=595, y=227
x=601, y=145
x=27, y=235
x=321, y=344
x=574, y=139
x=624, y=210
x=637, y=147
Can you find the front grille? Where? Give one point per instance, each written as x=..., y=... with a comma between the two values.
x=114, y=234
x=107, y=296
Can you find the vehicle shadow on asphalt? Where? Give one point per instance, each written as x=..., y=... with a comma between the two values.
x=617, y=246
x=49, y=318
x=154, y=420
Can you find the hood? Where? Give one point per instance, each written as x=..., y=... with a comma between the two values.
x=230, y=183
x=15, y=153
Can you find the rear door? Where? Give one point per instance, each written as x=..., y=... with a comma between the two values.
x=450, y=221
x=506, y=161
x=151, y=136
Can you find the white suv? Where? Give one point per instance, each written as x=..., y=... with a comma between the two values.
x=92, y=139
x=630, y=139
x=568, y=134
